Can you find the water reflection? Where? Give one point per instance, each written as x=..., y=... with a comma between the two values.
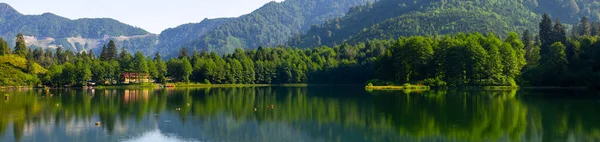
x=297, y=114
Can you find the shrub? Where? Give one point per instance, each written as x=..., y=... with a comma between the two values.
x=434, y=82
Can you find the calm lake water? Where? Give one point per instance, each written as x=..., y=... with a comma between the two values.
x=342, y=114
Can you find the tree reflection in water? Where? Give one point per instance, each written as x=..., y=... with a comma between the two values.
x=298, y=114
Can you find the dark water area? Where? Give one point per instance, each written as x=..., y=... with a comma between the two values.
x=344, y=114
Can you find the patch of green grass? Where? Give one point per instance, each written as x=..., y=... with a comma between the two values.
x=12, y=73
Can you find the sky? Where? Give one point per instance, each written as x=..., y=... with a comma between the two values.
x=151, y=15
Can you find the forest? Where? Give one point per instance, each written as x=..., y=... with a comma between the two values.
x=463, y=59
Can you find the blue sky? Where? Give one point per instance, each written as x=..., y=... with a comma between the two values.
x=151, y=15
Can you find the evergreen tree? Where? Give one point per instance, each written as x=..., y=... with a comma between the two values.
x=104, y=54
x=559, y=32
x=29, y=67
x=125, y=61
x=584, y=28
x=4, y=49
x=112, y=53
x=92, y=55
x=161, y=68
x=529, y=47
x=183, y=53
x=20, y=46
x=546, y=33
x=59, y=55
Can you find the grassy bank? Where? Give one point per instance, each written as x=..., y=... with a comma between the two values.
x=403, y=87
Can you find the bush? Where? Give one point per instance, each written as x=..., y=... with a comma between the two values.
x=370, y=84
x=434, y=82
x=206, y=81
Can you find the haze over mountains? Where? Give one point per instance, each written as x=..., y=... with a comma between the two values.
x=299, y=23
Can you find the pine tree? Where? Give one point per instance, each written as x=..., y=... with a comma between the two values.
x=104, y=54
x=4, y=49
x=528, y=42
x=92, y=55
x=20, y=46
x=112, y=53
x=29, y=67
x=584, y=28
x=546, y=33
x=183, y=53
x=559, y=32
x=161, y=68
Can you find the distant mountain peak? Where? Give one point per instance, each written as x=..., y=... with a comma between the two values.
x=6, y=10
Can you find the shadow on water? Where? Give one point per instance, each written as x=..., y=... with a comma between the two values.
x=299, y=114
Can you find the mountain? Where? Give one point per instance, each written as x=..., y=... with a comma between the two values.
x=270, y=25
x=183, y=35
x=394, y=18
x=50, y=31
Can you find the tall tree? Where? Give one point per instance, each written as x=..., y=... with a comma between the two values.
x=92, y=55
x=183, y=53
x=20, y=46
x=560, y=34
x=104, y=53
x=584, y=28
x=187, y=69
x=125, y=61
x=140, y=65
x=29, y=67
x=112, y=53
x=530, y=56
x=4, y=49
x=161, y=68
x=546, y=33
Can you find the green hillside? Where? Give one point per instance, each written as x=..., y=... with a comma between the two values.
x=394, y=18
x=89, y=32
x=12, y=71
x=272, y=24
x=183, y=35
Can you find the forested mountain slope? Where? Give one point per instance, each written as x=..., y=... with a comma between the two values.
x=180, y=36
x=394, y=18
x=272, y=24
x=50, y=31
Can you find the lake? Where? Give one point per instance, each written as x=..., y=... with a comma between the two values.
x=286, y=114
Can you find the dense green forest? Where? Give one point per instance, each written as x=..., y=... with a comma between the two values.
x=474, y=59
x=395, y=18
x=272, y=24
x=183, y=35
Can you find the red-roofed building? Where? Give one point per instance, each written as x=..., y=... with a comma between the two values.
x=130, y=77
